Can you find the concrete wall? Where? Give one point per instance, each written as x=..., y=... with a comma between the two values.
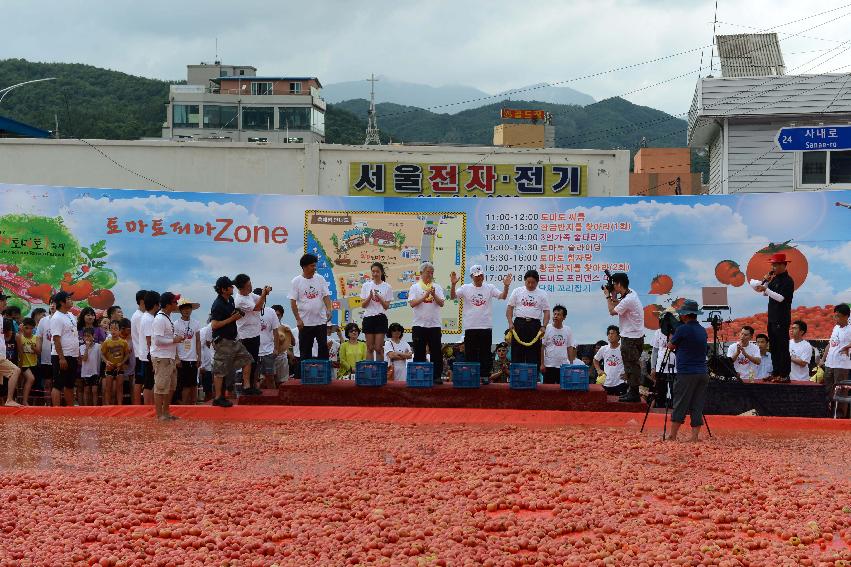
x=294, y=169
x=662, y=160
x=519, y=135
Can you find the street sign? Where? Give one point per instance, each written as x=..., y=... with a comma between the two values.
x=804, y=138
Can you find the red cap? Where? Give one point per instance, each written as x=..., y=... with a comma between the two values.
x=778, y=258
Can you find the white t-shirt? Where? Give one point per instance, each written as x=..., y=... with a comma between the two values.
x=742, y=365
x=187, y=330
x=612, y=363
x=90, y=367
x=529, y=304
x=309, y=295
x=248, y=326
x=43, y=332
x=144, y=332
x=839, y=338
x=427, y=313
x=556, y=342
x=162, y=329
x=206, y=333
x=765, y=368
x=65, y=326
x=136, y=334
x=478, y=304
x=804, y=351
x=268, y=324
x=630, y=316
x=374, y=307
x=400, y=367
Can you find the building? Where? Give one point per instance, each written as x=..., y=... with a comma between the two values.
x=737, y=118
x=231, y=103
x=524, y=128
x=10, y=128
x=381, y=237
x=663, y=171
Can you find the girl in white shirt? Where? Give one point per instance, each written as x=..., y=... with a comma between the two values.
x=397, y=352
x=375, y=295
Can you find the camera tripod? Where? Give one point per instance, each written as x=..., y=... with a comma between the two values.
x=668, y=377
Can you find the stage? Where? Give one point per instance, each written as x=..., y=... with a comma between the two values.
x=797, y=399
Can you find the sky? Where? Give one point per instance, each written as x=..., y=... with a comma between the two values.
x=493, y=45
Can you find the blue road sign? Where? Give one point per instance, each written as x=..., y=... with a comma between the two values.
x=803, y=138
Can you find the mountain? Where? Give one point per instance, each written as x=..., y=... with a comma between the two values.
x=448, y=99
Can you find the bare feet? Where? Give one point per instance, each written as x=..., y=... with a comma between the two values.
x=172, y=417
x=163, y=418
x=12, y=404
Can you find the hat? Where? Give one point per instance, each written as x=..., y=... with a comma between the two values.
x=167, y=298
x=223, y=282
x=689, y=307
x=778, y=258
x=476, y=270
x=183, y=302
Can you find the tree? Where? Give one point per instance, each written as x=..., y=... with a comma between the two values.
x=335, y=240
x=400, y=238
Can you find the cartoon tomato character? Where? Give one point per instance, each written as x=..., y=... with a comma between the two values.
x=651, y=316
x=661, y=284
x=798, y=267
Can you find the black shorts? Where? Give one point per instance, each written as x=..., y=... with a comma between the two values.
x=114, y=373
x=375, y=324
x=91, y=380
x=187, y=375
x=144, y=374
x=552, y=375
x=64, y=379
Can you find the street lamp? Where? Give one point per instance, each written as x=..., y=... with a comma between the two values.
x=4, y=92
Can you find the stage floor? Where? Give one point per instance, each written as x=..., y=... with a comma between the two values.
x=305, y=486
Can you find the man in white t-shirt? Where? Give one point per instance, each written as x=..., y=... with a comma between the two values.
x=765, y=370
x=800, y=352
x=310, y=301
x=163, y=351
x=624, y=303
x=43, y=332
x=248, y=327
x=66, y=350
x=745, y=354
x=269, y=324
x=146, y=385
x=557, y=346
x=528, y=314
x=188, y=352
x=835, y=359
x=426, y=298
x=609, y=361
x=139, y=348
x=477, y=313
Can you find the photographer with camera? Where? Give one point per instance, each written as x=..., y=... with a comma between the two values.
x=624, y=302
x=690, y=343
x=249, y=327
x=230, y=353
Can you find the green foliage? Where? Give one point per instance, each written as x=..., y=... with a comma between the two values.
x=343, y=127
x=49, y=231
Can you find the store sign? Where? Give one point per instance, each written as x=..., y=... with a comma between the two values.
x=521, y=114
x=397, y=179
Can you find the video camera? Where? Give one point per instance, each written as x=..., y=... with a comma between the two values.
x=668, y=323
x=609, y=285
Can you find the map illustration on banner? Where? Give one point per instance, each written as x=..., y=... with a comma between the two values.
x=102, y=245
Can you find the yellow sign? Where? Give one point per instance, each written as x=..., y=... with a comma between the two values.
x=398, y=179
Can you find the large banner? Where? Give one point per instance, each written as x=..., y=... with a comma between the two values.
x=102, y=245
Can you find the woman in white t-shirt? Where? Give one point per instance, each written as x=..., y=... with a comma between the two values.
x=528, y=314
x=426, y=298
x=376, y=296
x=397, y=352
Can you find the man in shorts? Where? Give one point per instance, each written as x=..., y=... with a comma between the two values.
x=269, y=324
x=66, y=350
x=188, y=352
x=230, y=353
x=164, y=341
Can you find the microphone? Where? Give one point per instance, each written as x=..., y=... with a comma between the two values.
x=768, y=277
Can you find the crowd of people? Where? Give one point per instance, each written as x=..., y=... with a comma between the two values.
x=163, y=354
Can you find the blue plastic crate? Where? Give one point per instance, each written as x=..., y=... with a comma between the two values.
x=316, y=372
x=466, y=375
x=420, y=375
x=523, y=376
x=574, y=377
x=371, y=373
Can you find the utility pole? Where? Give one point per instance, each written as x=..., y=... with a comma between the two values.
x=372, y=136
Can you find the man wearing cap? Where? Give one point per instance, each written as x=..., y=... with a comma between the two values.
x=229, y=352
x=690, y=343
x=779, y=287
x=164, y=341
x=188, y=351
x=477, y=314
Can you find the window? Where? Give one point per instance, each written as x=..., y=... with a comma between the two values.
x=262, y=88
x=242, y=71
x=258, y=118
x=185, y=116
x=223, y=73
x=295, y=88
x=318, y=121
x=294, y=118
x=825, y=168
x=220, y=116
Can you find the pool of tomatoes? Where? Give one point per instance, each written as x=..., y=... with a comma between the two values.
x=115, y=492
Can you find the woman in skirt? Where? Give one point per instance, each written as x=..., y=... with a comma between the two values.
x=376, y=296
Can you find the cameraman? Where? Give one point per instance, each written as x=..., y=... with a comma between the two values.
x=230, y=353
x=690, y=343
x=624, y=303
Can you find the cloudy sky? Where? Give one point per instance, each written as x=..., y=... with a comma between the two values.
x=493, y=45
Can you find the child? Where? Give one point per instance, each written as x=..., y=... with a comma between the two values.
x=115, y=353
x=29, y=351
x=501, y=366
x=765, y=369
x=397, y=353
x=283, y=343
x=800, y=353
x=610, y=355
x=126, y=328
x=90, y=367
x=8, y=369
x=557, y=347
x=835, y=359
x=351, y=352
